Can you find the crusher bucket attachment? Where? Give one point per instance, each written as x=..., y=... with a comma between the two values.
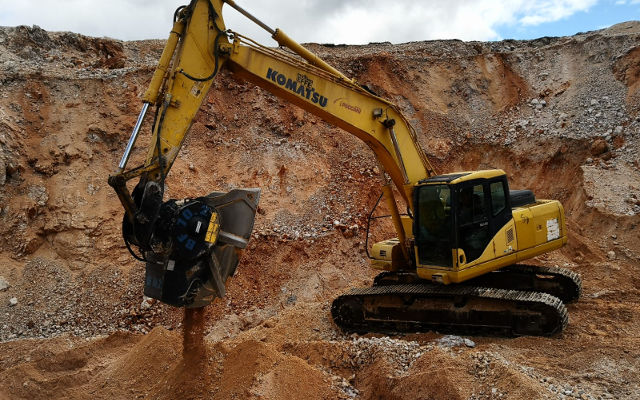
x=196, y=244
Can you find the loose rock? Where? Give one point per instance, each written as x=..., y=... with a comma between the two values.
x=4, y=284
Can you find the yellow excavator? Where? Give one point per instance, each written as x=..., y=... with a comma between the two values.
x=455, y=264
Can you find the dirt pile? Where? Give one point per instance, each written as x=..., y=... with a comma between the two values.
x=560, y=115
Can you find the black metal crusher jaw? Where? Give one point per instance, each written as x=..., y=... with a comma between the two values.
x=192, y=246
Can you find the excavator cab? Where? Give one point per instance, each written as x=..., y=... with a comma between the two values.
x=457, y=215
x=469, y=223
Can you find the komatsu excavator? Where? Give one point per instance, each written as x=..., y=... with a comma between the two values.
x=455, y=263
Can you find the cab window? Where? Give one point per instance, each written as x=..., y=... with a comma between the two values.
x=472, y=205
x=498, y=200
x=473, y=221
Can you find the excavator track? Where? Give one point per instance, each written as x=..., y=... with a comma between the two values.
x=402, y=308
x=559, y=282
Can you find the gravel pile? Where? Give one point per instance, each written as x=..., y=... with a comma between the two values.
x=28, y=51
x=487, y=367
x=399, y=353
x=47, y=301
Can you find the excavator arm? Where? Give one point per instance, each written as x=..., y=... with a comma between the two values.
x=188, y=268
x=190, y=246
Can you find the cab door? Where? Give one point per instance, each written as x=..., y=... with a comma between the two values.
x=472, y=217
x=432, y=226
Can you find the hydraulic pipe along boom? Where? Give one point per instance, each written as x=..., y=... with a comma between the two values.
x=133, y=138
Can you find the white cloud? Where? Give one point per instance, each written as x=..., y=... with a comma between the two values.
x=325, y=21
x=122, y=19
x=358, y=22
x=538, y=12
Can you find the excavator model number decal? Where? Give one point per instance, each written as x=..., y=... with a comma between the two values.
x=348, y=106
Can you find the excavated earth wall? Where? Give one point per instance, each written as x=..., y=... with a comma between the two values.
x=560, y=115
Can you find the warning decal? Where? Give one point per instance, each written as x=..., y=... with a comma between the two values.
x=553, y=230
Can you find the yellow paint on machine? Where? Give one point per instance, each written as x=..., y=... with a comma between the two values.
x=213, y=229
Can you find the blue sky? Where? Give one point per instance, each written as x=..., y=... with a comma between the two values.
x=602, y=14
x=335, y=21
